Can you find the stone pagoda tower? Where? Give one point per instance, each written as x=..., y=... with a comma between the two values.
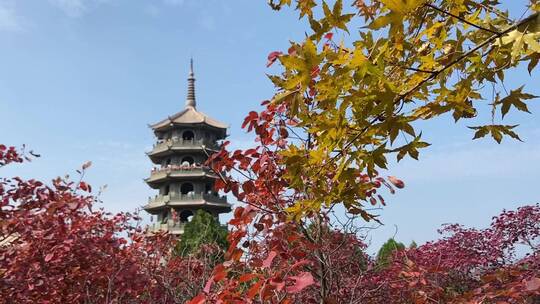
x=184, y=183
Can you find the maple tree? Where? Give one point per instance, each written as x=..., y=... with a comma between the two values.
x=341, y=109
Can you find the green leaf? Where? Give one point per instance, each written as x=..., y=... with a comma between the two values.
x=411, y=148
x=305, y=7
x=496, y=131
x=515, y=99
x=381, y=22
x=402, y=6
x=534, y=58
x=278, y=98
x=496, y=135
x=480, y=132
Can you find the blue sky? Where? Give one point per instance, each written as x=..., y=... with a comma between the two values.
x=81, y=79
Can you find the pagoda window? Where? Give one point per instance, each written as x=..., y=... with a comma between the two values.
x=185, y=216
x=165, y=217
x=186, y=188
x=166, y=190
x=187, y=160
x=168, y=162
x=208, y=188
x=188, y=135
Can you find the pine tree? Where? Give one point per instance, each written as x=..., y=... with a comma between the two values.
x=202, y=229
x=387, y=249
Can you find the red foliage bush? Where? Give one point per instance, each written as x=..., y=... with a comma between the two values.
x=467, y=265
x=56, y=248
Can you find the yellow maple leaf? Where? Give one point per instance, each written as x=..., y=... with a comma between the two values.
x=402, y=7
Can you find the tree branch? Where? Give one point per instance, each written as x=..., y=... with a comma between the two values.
x=461, y=19
x=402, y=96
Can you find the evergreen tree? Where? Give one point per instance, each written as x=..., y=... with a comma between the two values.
x=387, y=249
x=202, y=229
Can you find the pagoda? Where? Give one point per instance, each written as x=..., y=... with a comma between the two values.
x=185, y=184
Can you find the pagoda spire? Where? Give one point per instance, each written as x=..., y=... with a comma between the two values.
x=190, y=100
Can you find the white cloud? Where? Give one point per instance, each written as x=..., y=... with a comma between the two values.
x=9, y=20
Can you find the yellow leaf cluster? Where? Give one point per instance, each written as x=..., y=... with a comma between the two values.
x=357, y=102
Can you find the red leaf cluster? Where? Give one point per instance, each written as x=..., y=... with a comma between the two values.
x=56, y=248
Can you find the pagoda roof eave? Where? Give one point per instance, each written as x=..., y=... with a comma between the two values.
x=153, y=208
x=188, y=116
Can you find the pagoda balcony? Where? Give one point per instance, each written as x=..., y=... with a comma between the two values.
x=159, y=175
x=186, y=200
x=170, y=227
x=180, y=144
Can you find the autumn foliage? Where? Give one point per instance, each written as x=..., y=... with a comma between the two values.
x=342, y=109
x=57, y=246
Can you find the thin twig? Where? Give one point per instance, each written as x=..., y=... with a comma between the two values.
x=465, y=55
x=461, y=19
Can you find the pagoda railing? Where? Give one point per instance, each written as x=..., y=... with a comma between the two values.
x=179, y=171
x=176, y=197
x=181, y=168
x=170, y=226
x=175, y=171
x=180, y=142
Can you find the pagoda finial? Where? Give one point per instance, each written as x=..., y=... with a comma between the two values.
x=190, y=101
